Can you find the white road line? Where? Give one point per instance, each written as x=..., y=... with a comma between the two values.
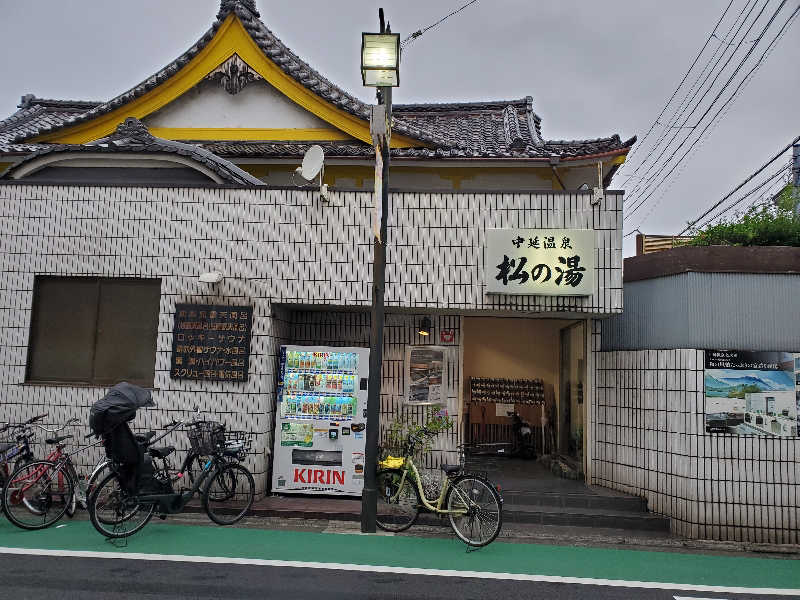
x=687, y=598
x=402, y=570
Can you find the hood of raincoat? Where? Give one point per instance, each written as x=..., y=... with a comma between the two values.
x=118, y=406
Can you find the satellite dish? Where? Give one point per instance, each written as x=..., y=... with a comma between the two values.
x=313, y=165
x=312, y=162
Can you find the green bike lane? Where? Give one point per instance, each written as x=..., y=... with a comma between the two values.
x=438, y=556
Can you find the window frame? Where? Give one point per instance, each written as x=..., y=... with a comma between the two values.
x=98, y=281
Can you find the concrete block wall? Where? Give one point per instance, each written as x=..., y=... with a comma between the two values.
x=650, y=441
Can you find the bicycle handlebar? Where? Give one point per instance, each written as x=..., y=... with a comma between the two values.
x=72, y=421
x=33, y=420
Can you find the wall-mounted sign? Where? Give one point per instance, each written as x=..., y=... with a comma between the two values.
x=752, y=393
x=549, y=262
x=211, y=343
x=426, y=375
x=446, y=336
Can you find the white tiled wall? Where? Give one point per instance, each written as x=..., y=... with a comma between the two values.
x=650, y=441
x=275, y=248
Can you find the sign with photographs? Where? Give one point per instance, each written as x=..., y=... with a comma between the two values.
x=752, y=393
x=211, y=343
x=548, y=262
x=426, y=374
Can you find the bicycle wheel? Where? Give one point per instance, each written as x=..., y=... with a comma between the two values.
x=479, y=510
x=100, y=472
x=398, y=508
x=114, y=512
x=236, y=486
x=32, y=497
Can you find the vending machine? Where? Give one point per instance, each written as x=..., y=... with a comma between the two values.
x=320, y=426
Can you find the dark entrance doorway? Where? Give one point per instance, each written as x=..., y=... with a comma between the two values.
x=515, y=365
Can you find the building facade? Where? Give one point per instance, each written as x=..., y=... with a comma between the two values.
x=302, y=264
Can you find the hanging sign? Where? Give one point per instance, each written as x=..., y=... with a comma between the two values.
x=211, y=343
x=548, y=262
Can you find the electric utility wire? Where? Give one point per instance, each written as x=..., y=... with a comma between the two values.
x=652, y=171
x=744, y=183
x=410, y=39
x=686, y=75
x=747, y=78
x=714, y=121
x=759, y=187
x=686, y=100
x=662, y=145
x=689, y=97
x=770, y=196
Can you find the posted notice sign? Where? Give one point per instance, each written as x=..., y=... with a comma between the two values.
x=548, y=262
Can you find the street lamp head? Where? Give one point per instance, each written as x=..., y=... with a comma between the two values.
x=380, y=59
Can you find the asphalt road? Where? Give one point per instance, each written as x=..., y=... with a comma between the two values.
x=42, y=577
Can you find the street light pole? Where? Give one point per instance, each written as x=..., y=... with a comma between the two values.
x=796, y=177
x=369, y=497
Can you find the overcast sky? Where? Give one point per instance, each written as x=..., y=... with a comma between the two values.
x=593, y=68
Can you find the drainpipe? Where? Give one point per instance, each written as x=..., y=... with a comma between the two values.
x=554, y=160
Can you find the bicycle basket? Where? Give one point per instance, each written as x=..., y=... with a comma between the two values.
x=206, y=437
x=392, y=462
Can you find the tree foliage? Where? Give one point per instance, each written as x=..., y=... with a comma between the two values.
x=771, y=224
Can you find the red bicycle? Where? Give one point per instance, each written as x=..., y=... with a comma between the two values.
x=39, y=493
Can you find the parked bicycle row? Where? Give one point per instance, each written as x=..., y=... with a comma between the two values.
x=134, y=480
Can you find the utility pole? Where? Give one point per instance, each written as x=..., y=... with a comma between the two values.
x=796, y=177
x=369, y=497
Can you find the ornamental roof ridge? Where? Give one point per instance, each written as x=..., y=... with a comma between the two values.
x=226, y=6
x=29, y=100
x=132, y=136
x=460, y=106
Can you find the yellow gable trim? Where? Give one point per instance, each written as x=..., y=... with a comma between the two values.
x=230, y=38
x=249, y=134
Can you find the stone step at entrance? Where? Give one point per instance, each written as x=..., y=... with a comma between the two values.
x=585, y=517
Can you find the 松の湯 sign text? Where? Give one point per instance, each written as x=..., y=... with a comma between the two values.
x=551, y=262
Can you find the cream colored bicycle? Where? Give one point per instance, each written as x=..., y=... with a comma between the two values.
x=471, y=502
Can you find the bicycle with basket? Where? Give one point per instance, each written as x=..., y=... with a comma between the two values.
x=471, y=502
x=140, y=483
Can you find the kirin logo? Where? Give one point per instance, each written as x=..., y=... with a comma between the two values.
x=326, y=476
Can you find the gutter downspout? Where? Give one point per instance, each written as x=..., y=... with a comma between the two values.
x=554, y=160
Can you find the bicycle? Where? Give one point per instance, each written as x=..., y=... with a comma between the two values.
x=31, y=492
x=19, y=448
x=191, y=466
x=470, y=501
x=117, y=512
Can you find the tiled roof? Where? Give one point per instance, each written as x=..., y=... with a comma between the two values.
x=274, y=49
x=563, y=150
x=133, y=137
x=34, y=114
x=493, y=129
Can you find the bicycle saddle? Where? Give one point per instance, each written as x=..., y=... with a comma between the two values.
x=57, y=440
x=162, y=452
x=450, y=469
